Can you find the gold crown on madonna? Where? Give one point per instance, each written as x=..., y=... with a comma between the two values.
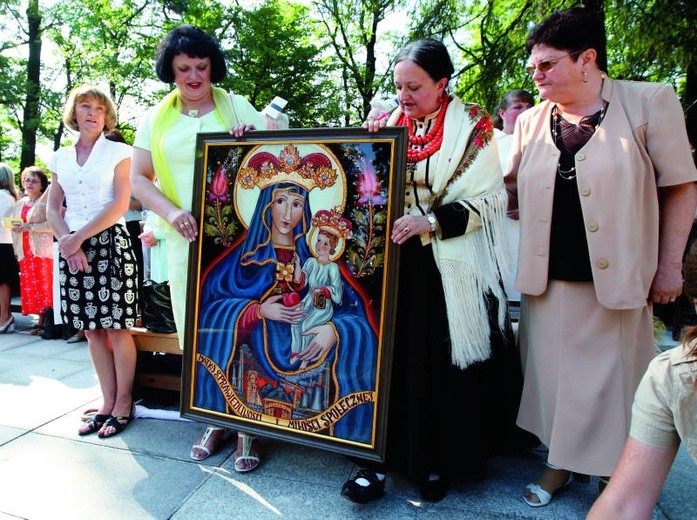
x=313, y=170
x=332, y=222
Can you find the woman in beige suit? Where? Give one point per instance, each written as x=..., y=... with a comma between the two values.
x=603, y=177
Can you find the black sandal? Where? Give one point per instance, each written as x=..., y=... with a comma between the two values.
x=118, y=423
x=363, y=494
x=94, y=424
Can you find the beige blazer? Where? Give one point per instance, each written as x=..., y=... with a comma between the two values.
x=641, y=145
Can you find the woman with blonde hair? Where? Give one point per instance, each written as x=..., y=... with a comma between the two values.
x=9, y=270
x=98, y=268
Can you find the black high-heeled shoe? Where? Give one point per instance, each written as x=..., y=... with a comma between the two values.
x=363, y=494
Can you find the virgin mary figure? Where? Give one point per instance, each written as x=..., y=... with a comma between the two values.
x=251, y=296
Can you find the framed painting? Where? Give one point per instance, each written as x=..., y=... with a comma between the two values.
x=293, y=283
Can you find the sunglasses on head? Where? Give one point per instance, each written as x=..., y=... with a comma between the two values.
x=547, y=65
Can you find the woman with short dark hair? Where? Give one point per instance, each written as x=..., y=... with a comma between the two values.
x=453, y=351
x=162, y=171
x=605, y=183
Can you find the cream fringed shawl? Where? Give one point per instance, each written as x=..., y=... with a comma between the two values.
x=467, y=172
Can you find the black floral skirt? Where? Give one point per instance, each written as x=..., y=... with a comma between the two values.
x=106, y=295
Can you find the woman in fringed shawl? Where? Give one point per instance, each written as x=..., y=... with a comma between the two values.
x=454, y=356
x=164, y=149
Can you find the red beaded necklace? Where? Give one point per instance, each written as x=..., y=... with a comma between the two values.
x=430, y=142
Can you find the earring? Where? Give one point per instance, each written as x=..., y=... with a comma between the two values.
x=585, y=77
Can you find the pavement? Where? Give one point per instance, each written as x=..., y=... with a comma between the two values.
x=47, y=471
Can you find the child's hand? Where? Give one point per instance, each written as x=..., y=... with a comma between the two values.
x=297, y=268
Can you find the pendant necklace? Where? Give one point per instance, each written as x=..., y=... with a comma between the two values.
x=193, y=112
x=587, y=124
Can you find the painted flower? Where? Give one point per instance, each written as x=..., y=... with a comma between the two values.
x=219, y=188
x=284, y=272
x=369, y=187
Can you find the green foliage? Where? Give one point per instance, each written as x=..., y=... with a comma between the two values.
x=328, y=58
x=274, y=52
x=651, y=40
x=352, y=28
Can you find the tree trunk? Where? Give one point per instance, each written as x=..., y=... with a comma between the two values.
x=32, y=112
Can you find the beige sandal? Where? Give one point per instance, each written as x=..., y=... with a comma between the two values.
x=208, y=444
x=247, y=453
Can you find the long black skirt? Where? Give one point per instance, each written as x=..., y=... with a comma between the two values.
x=106, y=295
x=444, y=419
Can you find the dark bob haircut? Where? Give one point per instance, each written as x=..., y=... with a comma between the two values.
x=192, y=41
x=430, y=55
x=573, y=30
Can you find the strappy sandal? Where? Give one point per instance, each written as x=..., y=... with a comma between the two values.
x=246, y=453
x=544, y=496
x=118, y=423
x=88, y=414
x=208, y=443
x=94, y=424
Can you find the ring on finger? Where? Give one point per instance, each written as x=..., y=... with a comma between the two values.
x=406, y=229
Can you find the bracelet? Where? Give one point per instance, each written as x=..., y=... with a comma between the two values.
x=432, y=220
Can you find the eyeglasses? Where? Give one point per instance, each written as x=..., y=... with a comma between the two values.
x=547, y=65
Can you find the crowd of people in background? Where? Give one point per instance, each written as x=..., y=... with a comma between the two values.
x=591, y=192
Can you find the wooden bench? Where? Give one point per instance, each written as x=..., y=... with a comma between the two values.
x=148, y=375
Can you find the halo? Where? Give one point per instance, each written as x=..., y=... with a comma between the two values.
x=327, y=198
x=311, y=239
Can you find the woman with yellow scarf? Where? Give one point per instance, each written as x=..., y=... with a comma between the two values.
x=162, y=168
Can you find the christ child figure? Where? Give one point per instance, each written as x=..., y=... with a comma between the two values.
x=326, y=241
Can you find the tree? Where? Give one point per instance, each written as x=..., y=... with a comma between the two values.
x=274, y=52
x=352, y=27
x=32, y=113
x=105, y=43
x=655, y=40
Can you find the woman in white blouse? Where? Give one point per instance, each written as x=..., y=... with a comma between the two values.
x=97, y=265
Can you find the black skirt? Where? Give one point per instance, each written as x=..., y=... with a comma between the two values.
x=444, y=419
x=9, y=268
x=106, y=295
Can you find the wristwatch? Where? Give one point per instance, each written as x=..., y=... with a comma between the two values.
x=432, y=220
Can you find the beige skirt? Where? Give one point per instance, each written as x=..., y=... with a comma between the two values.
x=582, y=364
